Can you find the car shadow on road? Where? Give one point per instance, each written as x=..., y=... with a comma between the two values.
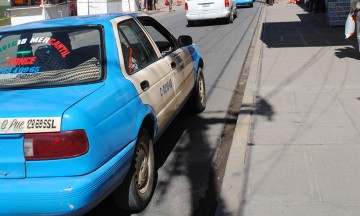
x=184, y=150
x=108, y=205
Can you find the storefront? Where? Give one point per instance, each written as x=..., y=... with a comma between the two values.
x=337, y=11
x=24, y=11
x=86, y=7
x=4, y=5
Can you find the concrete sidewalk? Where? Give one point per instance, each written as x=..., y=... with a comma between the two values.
x=296, y=148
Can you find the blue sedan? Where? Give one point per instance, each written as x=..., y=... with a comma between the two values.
x=240, y=3
x=83, y=101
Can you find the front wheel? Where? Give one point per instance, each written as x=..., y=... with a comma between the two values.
x=198, y=97
x=136, y=190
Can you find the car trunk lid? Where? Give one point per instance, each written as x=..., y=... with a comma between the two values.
x=19, y=114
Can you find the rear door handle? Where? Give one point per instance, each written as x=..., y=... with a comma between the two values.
x=144, y=85
x=173, y=65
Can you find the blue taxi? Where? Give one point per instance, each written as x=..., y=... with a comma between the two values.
x=83, y=101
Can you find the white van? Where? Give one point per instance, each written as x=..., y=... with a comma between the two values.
x=210, y=9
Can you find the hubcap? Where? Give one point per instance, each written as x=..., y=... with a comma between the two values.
x=201, y=90
x=142, y=170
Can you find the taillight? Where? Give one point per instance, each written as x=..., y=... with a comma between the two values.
x=48, y=146
x=186, y=6
x=226, y=3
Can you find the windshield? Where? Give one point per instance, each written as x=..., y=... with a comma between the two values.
x=49, y=58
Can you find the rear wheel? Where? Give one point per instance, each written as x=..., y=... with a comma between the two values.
x=191, y=23
x=231, y=17
x=198, y=97
x=136, y=190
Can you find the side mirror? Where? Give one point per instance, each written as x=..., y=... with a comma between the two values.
x=185, y=40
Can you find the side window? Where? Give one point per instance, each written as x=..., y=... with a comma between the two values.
x=165, y=46
x=136, y=48
x=162, y=37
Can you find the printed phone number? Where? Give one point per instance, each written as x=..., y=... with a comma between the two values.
x=20, y=70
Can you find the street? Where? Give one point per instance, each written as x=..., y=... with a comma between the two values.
x=279, y=135
x=191, y=156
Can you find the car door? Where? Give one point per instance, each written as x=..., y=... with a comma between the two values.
x=179, y=58
x=151, y=75
x=184, y=73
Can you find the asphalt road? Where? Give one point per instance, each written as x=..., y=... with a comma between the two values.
x=191, y=155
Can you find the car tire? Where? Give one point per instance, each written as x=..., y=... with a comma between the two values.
x=198, y=96
x=231, y=17
x=191, y=23
x=137, y=188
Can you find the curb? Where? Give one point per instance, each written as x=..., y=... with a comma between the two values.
x=232, y=188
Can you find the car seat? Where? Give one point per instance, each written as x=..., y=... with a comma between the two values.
x=48, y=58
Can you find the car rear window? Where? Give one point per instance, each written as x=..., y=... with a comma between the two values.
x=50, y=57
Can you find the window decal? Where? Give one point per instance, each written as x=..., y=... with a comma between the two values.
x=7, y=46
x=34, y=40
x=21, y=61
x=63, y=50
x=19, y=70
x=25, y=52
x=40, y=40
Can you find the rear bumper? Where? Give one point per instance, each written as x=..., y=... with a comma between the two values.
x=201, y=15
x=64, y=195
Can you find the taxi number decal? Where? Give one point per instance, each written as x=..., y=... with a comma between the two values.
x=29, y=125
x=165, y=88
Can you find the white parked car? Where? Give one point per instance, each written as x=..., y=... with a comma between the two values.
x=210, y=9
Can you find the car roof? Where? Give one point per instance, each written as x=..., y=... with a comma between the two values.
x=101, y=19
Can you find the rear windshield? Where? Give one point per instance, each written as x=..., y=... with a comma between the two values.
x=50, y=58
